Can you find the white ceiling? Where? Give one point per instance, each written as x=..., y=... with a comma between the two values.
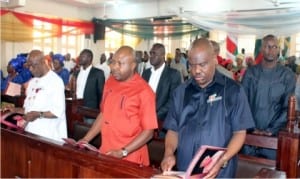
x=119, y=9
x=248, y=16
x=258, y=17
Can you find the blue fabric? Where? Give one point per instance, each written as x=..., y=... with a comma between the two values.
x=1, y=75
x=200, y=121
x=17, y=79
x=60, y=58
x=268, y=91
x=65, y=75
x=16, y=63
x=25, y=74
x=259, y=152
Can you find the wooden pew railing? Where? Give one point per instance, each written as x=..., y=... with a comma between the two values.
x=18, y=101
x=75, y=121
x=287, y=145
x=25, y=155
x=250, y=166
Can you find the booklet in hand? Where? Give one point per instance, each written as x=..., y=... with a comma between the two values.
x=203, y=161
x=85, y=145
x=13, y=120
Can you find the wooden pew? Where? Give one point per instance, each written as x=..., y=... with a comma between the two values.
x=26, y=155
x=80, y=128
x=251, y=166
x=75, y=111
x=288, y=152
x=72, y=114
x=248, y=166
x=287, y=146
x=18, y=101
x=155, y=146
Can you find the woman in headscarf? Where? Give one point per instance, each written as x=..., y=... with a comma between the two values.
x=240, y=68
x=24, y=72
x=58, y=68
x=14, y=67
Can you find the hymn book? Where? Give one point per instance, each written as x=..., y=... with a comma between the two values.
x=13, y=120
x=203, y=161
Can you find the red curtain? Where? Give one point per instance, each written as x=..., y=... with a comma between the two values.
x=26, y=21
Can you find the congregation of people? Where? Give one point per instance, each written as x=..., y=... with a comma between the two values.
x=191, y=99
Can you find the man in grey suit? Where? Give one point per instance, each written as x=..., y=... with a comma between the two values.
x=89, y=82
x=163, y=80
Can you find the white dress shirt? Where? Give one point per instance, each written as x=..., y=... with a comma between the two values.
x=105, y=68
x=155, y=76
x=47, y=93
x=81, y=81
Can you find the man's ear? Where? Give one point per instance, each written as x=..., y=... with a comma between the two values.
x=134, y=66
x=215, y=59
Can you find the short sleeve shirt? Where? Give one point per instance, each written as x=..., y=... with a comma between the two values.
x=127, y=109
x=207, y=116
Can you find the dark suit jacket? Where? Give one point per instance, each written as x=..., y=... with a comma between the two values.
x=169, y=80
x=93, y=90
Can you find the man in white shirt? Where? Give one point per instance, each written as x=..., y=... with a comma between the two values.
x=162, y=79
x=68, y=63
x=180, y=67
x=44, y=106
x=89, y=82
x=104, y=66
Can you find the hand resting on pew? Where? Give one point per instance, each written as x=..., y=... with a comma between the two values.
x=80, y=144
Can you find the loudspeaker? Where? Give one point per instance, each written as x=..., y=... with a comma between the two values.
x=99, y=31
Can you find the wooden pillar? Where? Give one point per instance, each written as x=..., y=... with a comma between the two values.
x=288, y=152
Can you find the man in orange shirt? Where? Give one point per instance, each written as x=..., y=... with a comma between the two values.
x=127, y=116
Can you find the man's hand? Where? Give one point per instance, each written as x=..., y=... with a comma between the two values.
x=115, y=153
x=31, y=116
x=215, y=170
x=168, y=162
x=260, y=132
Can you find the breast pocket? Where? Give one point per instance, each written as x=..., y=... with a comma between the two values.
x=276, y=91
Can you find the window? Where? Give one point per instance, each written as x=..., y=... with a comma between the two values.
x=297, y=45
x=114, y=40
x=45, y=39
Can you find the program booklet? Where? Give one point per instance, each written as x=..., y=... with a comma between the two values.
x=203, y=161
x=13, y=89
x=12, y=120
x=81, y=145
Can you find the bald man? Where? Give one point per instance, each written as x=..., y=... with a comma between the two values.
x=127, y=116
x=208, y=109
x=44, y=105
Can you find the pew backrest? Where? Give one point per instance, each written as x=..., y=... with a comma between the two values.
x=250, y=166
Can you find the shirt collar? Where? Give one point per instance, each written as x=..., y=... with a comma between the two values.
x=218, y=79
x=87, y=69
x=159, y=70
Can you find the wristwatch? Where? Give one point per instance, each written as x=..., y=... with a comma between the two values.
x=124, y=152
x=41, y=114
